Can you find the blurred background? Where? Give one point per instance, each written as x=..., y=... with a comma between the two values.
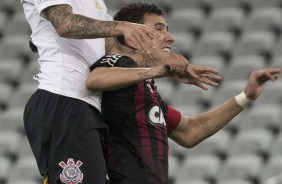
x=234, y=36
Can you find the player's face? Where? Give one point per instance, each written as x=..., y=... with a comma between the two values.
x=159, y=24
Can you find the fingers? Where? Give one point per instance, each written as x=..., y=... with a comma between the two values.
x=192, y=82
x=214, y=78
x=257, y=80
x=142, y=37
x=207, y=75
x=151, y=35
x=270, y=76
x=270, y=73
x=201, y=85
x=208, y=81
x=134, y=43
x=205, y=69
x=264, y=75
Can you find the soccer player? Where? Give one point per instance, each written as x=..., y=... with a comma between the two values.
x=61, y=118
x=140, y=122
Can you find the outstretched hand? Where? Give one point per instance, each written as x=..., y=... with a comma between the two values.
x=201, y=76
x=175, y=65
x=257, y=80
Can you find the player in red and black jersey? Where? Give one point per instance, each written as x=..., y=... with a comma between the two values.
x=136, y=116
x=139, y=121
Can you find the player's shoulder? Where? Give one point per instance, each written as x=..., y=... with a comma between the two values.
x=114, y=60
x=110, y=59
x=117, y=60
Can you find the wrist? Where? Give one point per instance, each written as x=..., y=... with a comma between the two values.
x=242, y=100
x=119, y=28
x=156, y=72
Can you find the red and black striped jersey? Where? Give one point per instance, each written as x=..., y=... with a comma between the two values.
x=137, y=152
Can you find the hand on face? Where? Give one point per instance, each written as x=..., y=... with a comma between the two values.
x=157, y=48
x=141, y=37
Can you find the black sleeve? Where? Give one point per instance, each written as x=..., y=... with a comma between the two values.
x=114, y=61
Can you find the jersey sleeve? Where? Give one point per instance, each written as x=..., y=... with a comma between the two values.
x=172, y=119
x=114, y=61
x=42, y=4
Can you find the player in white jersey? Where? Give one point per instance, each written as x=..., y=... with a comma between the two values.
x=62, y=117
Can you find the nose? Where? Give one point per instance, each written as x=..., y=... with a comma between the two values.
x=168, y=37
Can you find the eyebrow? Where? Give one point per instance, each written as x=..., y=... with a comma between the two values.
x=160, y=24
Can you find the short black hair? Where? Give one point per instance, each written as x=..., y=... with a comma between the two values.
x=135, y=13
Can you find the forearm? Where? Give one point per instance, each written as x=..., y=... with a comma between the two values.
x=194, y=130
x=212, y=121
x=112, y=78
x=80, y=27
x=76, y=26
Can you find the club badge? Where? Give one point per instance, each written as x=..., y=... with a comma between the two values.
x=71, y=173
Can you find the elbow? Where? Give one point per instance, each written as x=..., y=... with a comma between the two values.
x=193, y=144
x=91, y=85
x=62, y=31
x=88, y=84
x=190, y=144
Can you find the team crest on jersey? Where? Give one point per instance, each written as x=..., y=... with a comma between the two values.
x=97, y=5
x=111, y=59
x=71, y=173
x=156, y=116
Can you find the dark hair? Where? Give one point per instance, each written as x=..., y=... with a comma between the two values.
x=135, y=13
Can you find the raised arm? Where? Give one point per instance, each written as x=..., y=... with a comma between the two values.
x=111, y=78
x=193, y=130
x=75, y=26
x=200, y=76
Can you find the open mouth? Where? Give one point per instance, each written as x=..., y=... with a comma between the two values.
x=166, y=49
